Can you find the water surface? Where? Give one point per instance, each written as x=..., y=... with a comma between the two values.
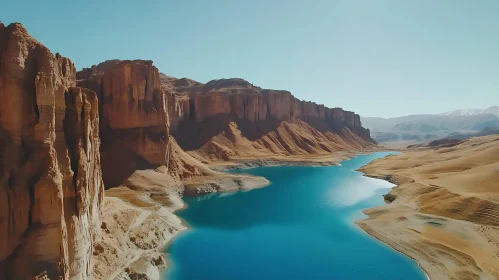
x=299, y=227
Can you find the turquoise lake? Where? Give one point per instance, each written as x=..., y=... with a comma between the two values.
x=299, y=227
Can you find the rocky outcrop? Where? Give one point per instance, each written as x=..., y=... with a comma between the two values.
x=134, y=112
x=445, y=143
x=130, y=92
x=50, y=180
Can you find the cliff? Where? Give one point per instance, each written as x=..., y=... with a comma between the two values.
x=248, y=102
x=219, y=120
x=134, y=113
x=50, y=180
x=231, y=117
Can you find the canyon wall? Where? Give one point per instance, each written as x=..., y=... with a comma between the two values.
x=257, y=111
x=130, y=92
x=140, y=108
x=51, y=186
x=248, y=102
x=134, y=113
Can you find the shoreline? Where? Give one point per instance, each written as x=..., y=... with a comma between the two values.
x=148, y=215
x=317, y=161
x=133, y=198
x=375, y=236
x=240, y=165
x=356, y=222
x=442, y=211
x=163, y=250
x=294, y=163
x=371, y=232
x=397, y=181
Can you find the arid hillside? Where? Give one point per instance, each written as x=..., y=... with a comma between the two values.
x=445, y=210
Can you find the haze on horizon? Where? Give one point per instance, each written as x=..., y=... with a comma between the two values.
x=383, y=58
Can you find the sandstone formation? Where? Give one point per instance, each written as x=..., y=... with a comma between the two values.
x=134, y=116
x=50, y=178
x=249, y=102
x=223, y=119
x=230, y=118
x=140, y=108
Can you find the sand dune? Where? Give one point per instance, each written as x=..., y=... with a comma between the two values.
x=444, y=212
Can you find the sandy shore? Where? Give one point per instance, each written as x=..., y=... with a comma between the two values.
x=444, y=213
x=303, y=160
x=138, y=220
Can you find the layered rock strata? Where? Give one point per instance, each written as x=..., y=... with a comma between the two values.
x=50, y=178
x=231, y=117
x=134, y=116
x=249, y=102
x=244, y=102
x=140, y=108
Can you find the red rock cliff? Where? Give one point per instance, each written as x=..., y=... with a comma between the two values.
x=130, y=91
x=140, y=108
x=50, y=178
x=246, y=101
x=259, y=111
x=134, y=113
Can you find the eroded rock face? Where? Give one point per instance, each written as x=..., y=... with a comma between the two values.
x=257, y=111
x=130, y=92
x=50, y=180
x=134, y=113
x=248, y=102
x=140, y=108
x=81, y=129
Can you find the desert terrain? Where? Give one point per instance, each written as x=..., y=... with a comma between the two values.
x=444, y=211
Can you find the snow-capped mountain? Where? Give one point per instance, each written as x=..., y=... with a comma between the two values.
x=473, y=112
x=458, y=123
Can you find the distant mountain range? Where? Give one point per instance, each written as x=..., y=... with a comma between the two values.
x=473, y=112
x=461, y=124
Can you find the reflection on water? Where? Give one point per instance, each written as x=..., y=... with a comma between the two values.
x=354, y=190
x=299, y=227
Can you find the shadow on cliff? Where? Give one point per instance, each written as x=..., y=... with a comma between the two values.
x=192, y=135
x=118, y=162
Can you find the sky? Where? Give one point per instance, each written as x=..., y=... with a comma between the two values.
x=383, y=58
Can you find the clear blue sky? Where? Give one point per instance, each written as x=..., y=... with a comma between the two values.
x=376, y=57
